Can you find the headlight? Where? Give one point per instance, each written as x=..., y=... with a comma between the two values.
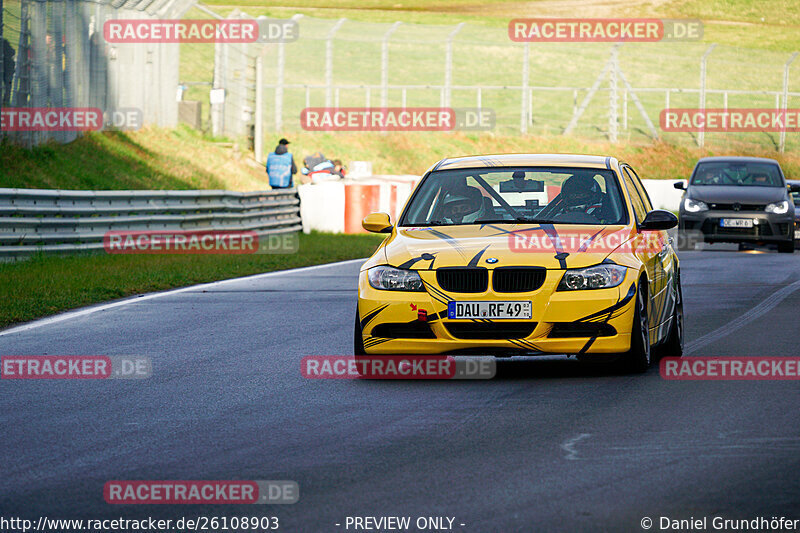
x=694, y=206
x=596, y=277
x=394, y=279
x=780, y=208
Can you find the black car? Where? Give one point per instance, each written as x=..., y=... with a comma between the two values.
x=739, y=200
x=795, y=189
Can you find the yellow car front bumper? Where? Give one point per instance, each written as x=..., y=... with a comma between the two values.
x=562, y=322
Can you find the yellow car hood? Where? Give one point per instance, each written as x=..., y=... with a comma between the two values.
x=424, y=248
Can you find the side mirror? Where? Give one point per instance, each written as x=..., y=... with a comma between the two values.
x=377, y=223
x=681, y=186
x=658, y=219
x=793, y=187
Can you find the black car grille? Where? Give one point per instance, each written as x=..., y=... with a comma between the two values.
x=570, y=330
x=518, y=279
x=403, y=330
x=463, y=279
x=737, y=207
x=491, y=330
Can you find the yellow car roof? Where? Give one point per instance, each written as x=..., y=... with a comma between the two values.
x=537, y=160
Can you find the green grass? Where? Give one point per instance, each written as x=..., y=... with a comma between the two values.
x=152, y=158
x=182, y=159
x=45, y=285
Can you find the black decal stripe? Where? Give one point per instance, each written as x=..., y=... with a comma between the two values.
x=474, y=261
x=372, y=314
x=589, y=241
x=437, y=294
x=372, y=341
x=561, y=255
x=525, y=345
x=620, y=304
x=528, y=344
x=411, y=262
x=587, y=345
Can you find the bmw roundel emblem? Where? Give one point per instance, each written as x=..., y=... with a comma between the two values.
x=491, y=260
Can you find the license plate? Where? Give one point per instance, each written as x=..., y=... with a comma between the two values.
x=490, y=310
x=736, y=222
x=797, y=234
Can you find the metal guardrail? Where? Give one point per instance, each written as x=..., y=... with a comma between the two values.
x=34, y=220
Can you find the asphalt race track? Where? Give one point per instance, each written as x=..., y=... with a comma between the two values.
x=549, y=444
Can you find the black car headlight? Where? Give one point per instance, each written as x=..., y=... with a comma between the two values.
x=395, y=279
x=596, y=277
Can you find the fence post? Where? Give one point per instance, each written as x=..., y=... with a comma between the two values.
x=329, y=60
x=2, y=66
x=613, y=103
x=448, y=64
x=279, y=88
x=523, y=119
x=258, y=134
x=385, y=64
x=703, y=60
x=782, y=144
x=625, y=110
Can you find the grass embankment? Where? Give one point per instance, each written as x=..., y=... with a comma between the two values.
x=152, y=158
x=182, y=159
x=46, y=285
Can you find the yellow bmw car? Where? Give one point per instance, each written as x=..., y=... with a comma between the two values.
x=523, y=255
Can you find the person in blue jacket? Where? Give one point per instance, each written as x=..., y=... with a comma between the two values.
x=281, y=167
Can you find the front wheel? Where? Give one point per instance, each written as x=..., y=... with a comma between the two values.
x=786, y=247
x=637, y=359
x=673, y=346
x=358, y=338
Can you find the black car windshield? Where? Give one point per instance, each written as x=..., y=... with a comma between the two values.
x=555, y=195
x=738, y=173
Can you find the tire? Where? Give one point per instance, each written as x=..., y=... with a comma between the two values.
x=687, y=240
x=673, y=346
x=786, y=247
x=637, y=359
x=358, y=339
x=359, y=352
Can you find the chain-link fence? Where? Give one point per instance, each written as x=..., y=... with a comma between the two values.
x=593, y=90
x=58, y=58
